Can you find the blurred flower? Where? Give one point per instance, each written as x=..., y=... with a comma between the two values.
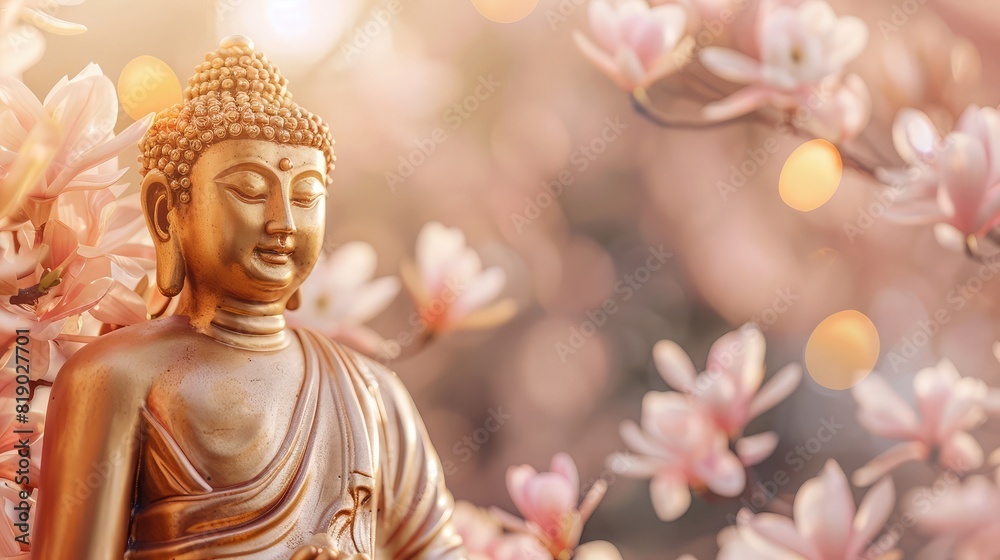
x=953, y=181
x=10, y=497
x=825, y=527
x=518, y=546
x=634, y=40
x=548, y=502
x=684, y=437
x=84, y=110
x=679, y=446
x=597, y=550
x=87, y=259
x=929, y=67
x=802, y=52
x=9, y=421
x=841, y=109
x=21, y=171
x=730, y=387
x=449, y=286
x=949, y=406
x=70, y=242
x=340, y=296
x=706, y=10
x=964, y=519
x=479, y=530
x=483, y=537
x=21, y=42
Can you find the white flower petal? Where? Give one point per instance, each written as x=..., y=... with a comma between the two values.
x=730, y=65
x=777, y=389
x=753, y=449
x=889, y=460
x=670, y=495
x=674, y=365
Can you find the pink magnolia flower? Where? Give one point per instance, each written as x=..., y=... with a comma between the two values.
x=479, y=530
x=340, y=296
x=949, y=405
x=962, y=516
x=89, y=257
x=84, y=110
x=839, y=110
x=954, y=181
x=678, y=445
x=10, y=497
x=798, y=60
x=449, y=286
x=706, y=10
x=9, y=421
x=548, y=502
x=518, y=546
x=21, y=171
x=21, y=23
x=483, y=537
x=634, y=40
x=825, y=524
x=598, y=550
x=730, y=388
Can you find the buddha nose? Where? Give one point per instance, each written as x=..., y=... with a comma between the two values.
x=281, y=221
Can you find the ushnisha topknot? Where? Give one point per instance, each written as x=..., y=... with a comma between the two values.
x=235, y=93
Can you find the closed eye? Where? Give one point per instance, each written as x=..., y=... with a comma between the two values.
x=246, y=197
x=307, y=203
x=246, y=185
x=308, y=192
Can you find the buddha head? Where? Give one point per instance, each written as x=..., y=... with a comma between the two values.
x=234, y=181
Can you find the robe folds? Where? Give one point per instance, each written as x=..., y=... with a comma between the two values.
x=355, y=464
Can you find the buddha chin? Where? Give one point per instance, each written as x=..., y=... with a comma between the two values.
x=217, y=432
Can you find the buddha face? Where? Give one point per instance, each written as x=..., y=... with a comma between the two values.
x=254, y=225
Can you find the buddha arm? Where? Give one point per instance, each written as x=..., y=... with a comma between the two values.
x=89, y=461
x=415, y=507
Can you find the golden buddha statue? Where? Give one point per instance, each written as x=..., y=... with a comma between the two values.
x=217, y=432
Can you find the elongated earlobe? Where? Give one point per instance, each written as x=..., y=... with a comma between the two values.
x=156, y=206
x=295, y=301
x=170, y=274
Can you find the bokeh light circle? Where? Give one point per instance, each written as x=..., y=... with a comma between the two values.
x=298, y=35
x=811, y=175
x=842, y=350
x=505, y=11
x=147, y=85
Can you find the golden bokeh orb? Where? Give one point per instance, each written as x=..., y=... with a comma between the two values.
x=811, y=175
x=505, y=11
x=147, y=85
x=842, y=350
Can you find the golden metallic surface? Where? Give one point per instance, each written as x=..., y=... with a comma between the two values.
x=217, y=432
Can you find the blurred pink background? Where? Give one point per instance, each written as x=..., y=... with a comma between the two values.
x=387, y=86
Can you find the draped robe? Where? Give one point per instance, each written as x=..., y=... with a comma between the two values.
x=356, y=464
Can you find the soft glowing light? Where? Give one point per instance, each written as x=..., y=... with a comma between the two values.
x=290, y=17
x=842, y=350
x=298, y=34
x=811, y=175
x=147, y=85
x=505, y=11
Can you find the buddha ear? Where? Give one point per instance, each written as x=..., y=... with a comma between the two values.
x=295, y=301
x=158, y=205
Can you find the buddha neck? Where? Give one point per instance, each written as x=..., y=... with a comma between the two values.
x=240, y=324
x=250, y=332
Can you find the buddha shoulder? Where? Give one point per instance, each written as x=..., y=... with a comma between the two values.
x=121, y=366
